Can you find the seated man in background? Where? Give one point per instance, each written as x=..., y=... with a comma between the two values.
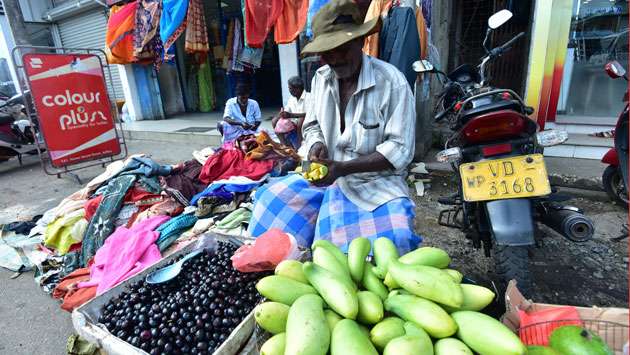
x=288, y=124
x=241, y=115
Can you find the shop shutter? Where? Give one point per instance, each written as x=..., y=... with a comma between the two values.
x=87, y=30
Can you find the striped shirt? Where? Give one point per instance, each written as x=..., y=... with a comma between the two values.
x=380, y=117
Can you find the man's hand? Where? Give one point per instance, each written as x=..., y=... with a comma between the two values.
x=335, y=170
x=284, y=114
x=318, y=152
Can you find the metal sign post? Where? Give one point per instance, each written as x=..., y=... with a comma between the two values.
x=70, y=106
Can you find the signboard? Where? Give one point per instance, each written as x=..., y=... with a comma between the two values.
x=74, y=112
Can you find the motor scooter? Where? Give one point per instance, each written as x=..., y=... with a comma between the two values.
x=615, y=177
x=17, y=135
x=496, y=151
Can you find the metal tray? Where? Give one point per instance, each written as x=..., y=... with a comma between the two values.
x=85, y=318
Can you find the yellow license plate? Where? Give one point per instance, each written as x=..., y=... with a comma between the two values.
x=514, y=177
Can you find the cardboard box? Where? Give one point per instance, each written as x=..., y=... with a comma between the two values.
x=608, y=322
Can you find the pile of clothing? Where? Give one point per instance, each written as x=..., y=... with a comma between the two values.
x=139, y=211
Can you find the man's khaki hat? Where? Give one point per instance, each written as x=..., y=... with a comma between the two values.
x=337, y=23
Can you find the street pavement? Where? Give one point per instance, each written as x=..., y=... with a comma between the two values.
x=30, y=321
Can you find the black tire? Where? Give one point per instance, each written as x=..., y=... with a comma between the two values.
x=512, y=263
x=613, y=184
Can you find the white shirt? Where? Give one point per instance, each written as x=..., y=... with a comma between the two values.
x=295, y=105
x=380, y=117
x=233, y=111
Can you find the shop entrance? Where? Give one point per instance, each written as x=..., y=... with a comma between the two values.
x=193, y=84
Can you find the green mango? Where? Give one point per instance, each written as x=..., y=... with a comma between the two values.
x=324, y=258
x=332, y=318
x=456, y=275
x=427, y=282
x=291, y=269
x=427, y=256
x=372, y=283
x=452, y=346
x=358, y=250
x=575, y=340
x=476, y=298
x=332, y=248
x=541, y=350
x=409, y=345
x=336, y=291
x=307, y=329
x=272, y=316
x=386, y=330
x=274, y=345
x=348, y=338
x=370, y=308
x=384, y=252
x=487, y=335
x=428, y=315
x=282, y=289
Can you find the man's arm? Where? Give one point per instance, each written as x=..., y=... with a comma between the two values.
x=311, y=131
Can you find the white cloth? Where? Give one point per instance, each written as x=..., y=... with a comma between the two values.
x=233, y=111
x=295, y=105
x=380, y=117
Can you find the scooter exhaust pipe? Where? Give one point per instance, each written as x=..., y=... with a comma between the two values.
x=568, y=221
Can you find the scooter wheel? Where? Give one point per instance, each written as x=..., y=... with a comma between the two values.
x=512, y=263
x=613, y=184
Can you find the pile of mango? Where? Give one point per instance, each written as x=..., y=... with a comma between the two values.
x=404, y=305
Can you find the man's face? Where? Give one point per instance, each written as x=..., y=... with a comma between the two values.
x=295, y=91
x=242, y=99
x=345, y=60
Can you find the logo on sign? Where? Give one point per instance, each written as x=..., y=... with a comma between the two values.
x=36, y=63
x=78, y=117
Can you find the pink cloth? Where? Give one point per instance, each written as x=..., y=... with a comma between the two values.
x=125, y=253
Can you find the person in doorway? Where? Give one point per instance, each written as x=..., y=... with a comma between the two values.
x=288, y=123
x=241, y=115
x=361, y=126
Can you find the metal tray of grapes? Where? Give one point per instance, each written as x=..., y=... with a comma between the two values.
x=85, y=318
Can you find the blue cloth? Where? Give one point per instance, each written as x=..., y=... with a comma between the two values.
x=233, y=111
x=309, y=213
x=292, y=137
x=173, y=14
x=313, y=7
x=237, y=184
x=145, y=166
x=399, y=42
x=340, y=221
x=173, y=228
x=209, y=193
x=289, y=203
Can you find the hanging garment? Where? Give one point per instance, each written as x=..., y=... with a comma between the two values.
x=377, y=8
x=313, y=7
x=399, y=42
x=172, y=23
x=260, y=16
x=291, y=21
x=237, y=47
x=228, y=163
x=250, y=57
x=119, y=36
x=102, y=224
x=207, y=98
x=229, y=45
x=65, y=232
x=125, y=253
x=422, y=33
x=146, y=40
x=192, y=86
x=171, y=230
x=196, y=29
x=74, y=297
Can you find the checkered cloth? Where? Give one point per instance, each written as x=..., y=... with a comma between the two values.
x=340, y=221
x=307, y=212
x=290, y=204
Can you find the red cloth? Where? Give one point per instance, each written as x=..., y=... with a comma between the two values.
x=260, y=16
x=141, y=197
x=72, y=296
x=91, y=206
x=291, y=21
x=268, y=250
x=227, y=163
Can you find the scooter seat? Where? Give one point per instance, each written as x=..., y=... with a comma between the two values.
x=6, y=119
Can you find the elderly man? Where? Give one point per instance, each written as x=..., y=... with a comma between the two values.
x=360, y=124
x=288, y=124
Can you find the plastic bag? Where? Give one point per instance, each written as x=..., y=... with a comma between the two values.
x=536, y=327
x=266, y=253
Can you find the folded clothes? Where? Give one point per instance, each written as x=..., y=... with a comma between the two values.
x=170, y=231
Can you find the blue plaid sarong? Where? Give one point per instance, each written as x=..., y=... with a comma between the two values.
x=310, y=213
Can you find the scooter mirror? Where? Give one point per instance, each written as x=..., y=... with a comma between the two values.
x=615, y=70
x=498, y=19
x=422, y=66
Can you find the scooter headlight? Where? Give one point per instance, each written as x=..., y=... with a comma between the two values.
x=449, y=155
x=551, y=137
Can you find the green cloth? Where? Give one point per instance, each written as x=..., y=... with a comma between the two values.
x=79, y=346
x=207, y=100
